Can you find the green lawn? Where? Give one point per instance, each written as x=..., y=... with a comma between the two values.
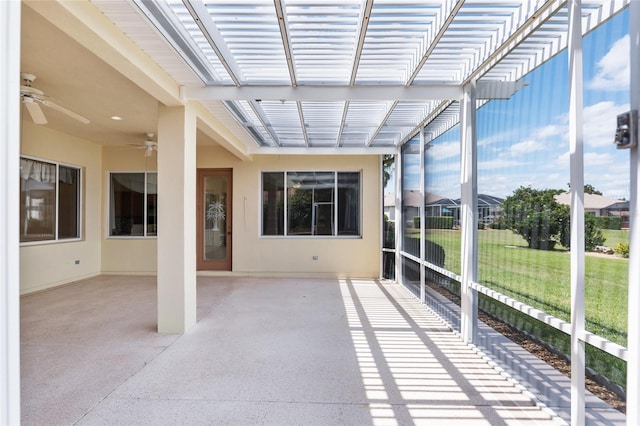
x=542, y=278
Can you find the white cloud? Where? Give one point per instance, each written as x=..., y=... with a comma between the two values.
x=600, y=123
x=550, y=131
x=496, y=138
x=441, y=151
x=497, y=164
x=613, y=68
x=526, y=147
x=597, y=159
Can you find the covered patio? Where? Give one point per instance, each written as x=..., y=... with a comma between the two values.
x=199, y=199
x=297, y=351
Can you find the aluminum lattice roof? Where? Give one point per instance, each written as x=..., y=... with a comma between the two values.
x=351, y=73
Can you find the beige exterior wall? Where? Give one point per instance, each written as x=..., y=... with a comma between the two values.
x=356, y=257
x=125, y=255
x=49, y=264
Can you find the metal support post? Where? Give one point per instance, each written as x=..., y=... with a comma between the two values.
x=633, y=328
x=399, y=218
x=422, y=219
x=10, y=216
x=469, y=217
x=576, y=155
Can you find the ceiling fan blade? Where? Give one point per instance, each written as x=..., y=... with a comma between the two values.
x=64, y=110
x=34, y=110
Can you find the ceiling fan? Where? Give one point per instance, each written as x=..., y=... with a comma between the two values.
x=148, y=145
x=32, y=98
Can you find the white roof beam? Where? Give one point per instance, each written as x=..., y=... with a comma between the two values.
x=202, y=18
x=365, y=13
x=382, y=123
x=345, y=112
x=493, y=90
x=324, y=93
x=443, y=28
x=284, y=33
x=325, y=150
x=303, y=126
x=545, y=12
x=259, y=112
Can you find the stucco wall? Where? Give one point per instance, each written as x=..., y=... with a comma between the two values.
x=46, y=265
x=125, y=255
x=336, y=256
x=50, y=264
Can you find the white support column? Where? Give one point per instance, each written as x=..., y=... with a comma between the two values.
x=10, y=213
x=576, y=156
x=176, y=219
x=469, y=216
x=633, y=330
x=423, y=234
x=398, y=206
x=381, y=182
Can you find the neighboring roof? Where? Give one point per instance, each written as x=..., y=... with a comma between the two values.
x=411, y=198
x=619, y=206
x=591, y=201
x=347, y=74
x=484, y=200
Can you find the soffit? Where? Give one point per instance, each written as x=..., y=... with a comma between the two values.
x=283, y=45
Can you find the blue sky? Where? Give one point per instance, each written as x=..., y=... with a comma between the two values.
x=524, y=141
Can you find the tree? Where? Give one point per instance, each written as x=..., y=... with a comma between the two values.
x=388, y=162
x=588, y=189
x=542, y=221
x=536, y=216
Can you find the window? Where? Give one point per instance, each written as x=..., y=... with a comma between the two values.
x=311, y=203
x=133, y=204
x=49, y=201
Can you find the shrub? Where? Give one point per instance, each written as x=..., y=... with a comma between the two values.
x=622, y=249
x=416, y=222
x=439, y=222
x=592, y=234
x=480, y=225
x=389, y=240
x=498, y=224
x=609, y=222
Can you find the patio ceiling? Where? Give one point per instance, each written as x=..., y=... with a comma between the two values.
x=348, y=75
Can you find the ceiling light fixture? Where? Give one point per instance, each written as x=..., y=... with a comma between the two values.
x=116, y=118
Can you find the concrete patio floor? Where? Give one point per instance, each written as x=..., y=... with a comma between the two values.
x=278, y=351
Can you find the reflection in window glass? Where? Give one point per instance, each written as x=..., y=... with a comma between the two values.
x=49, y=201
x=152, y=204
x=133, y=204
x=273, y=203
x=68, y=202
x=317, y=203
x=349, y=203
x=310, y=199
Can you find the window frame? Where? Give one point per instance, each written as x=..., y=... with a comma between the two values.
x=336, y=209
x=79, y=203
x=145, y=207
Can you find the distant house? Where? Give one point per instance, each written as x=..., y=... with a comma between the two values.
x=489, y=208
x=412, y=202
x=599, y=205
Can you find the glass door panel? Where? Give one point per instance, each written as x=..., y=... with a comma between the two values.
x=214, y=219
